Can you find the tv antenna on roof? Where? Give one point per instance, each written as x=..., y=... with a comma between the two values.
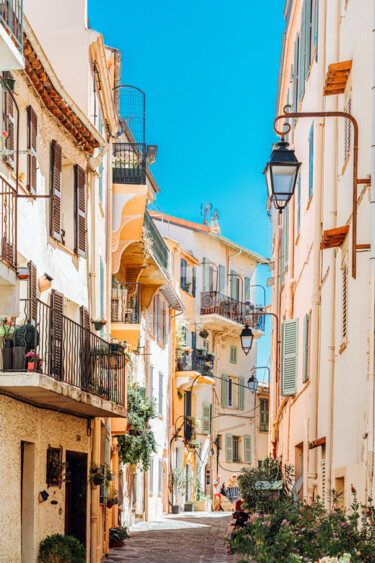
x=206, y=212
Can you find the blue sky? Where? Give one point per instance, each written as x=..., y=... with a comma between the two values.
x=209, y=70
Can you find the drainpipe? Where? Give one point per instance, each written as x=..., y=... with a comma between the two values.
x=274, y=340
x=315, y=300
x=371, y=437
x=91, y=264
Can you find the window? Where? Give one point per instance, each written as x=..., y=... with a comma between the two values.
x=188, y=277
x=230, y=392
x=32, y=142
x=236, y=449
x=151, y=478
x=260, y=463
x=348, y=129
x=233, y=355
x=344, y=298
x=151, y=381
x=264, y=415
x=8, y=123
x=228, y=448
x=183, y=272
x=165, y=324
x=306, y=347
x=206, y=346
x=247, y=449
x=289, y=359
x=241, y=393
x=233, y=285
x=161, y=397
x=222, y=279
x=159, y=319
x=160, y=480
x=219, y=441
x=311, y=161
x=102, y=288
x=206, y=418
x=154, y=316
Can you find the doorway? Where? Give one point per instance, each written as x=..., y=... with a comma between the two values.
x=27, y=502
x=76, y=496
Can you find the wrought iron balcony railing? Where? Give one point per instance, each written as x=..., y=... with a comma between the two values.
x=213, y=302
x=156, y=242
x=195, y=360
x=129, y=163
x=8, y=223
x=70, y=353
x=125, y=303
x=11, y=17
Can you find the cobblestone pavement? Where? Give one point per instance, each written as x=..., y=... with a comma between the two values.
x=197, y=538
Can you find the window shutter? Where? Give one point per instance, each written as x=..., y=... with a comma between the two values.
x=305, y=368
x=241, y=393
x=311, y=161
x=206, y=274
x=224, y=390
x=32, y=144
x=308, y=34
x=151, y=380
x=222, y=279
x=302, y=55
x=56, y=328
x=85, y=318
x=161, y=398
x=194, y=290
x=151, y=478
x=316, y=28
x=100, y=172
x=247, y=442
x=32, y=292
x=101, y=275
x=183, y=274
x=247, y=289
x=160, y=485
x=233, y=284
x=8, y=123
x=290, y=357
x=264, y=414
x=56, y=164
x=281, y=353
x=193, y=340
x=165, y=324
x=295, y=77
x=233, y=355
x=155, y=317
x=206, y=418
x=80, y=191
x=229, y=448
x=159, y=318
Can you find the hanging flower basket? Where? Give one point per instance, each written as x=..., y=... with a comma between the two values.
x=99, y=323
x=203, y=334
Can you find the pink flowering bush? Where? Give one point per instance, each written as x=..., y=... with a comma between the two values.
x=308, y=533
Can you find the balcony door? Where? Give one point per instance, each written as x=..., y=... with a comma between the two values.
x=27, y=502
x=75, y=496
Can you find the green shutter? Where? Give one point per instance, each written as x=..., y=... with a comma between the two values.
x=247, y=289
x=206, y=418
x=222, y=279
x=206, y=274
x=229, y=448
x=247, y=442
x=302, y=55
x=233, y=284
x=233, y=355
x=241, y=393
x=290, y=358
x=316, y=28
x=305, y=368
x=311, y=161
x=224, y=390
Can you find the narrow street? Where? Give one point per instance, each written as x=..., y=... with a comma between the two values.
x=193, y=537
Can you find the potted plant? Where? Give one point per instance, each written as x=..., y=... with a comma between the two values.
x=117, y=536
x=97, y=474
x=203, y=334
x=112, y=498
x=34, y=362
x=25, y=338
x=189, y=506
x=193, y=422
x=113, y=346
x=99, y=323
x=177, y=486
x=6, y=331
x=59, y=547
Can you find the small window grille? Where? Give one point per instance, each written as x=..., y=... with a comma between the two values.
x=344, y=324
x=236, y=449
x=348, y=129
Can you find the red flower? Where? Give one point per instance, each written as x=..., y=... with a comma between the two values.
x=5, y=134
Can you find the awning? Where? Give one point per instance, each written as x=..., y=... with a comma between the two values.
x=173, y=299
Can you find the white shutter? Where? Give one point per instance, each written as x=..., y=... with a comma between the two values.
x=290, y=357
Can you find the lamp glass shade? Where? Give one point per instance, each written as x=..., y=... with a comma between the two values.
x=281, y=174
x=246, y=339
x=252, y=383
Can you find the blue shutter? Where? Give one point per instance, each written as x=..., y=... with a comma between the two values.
x=193, y=340
x=241, y=393
x=222, y=279
x=302, y=55
x=206, y=275
x=316, y=28
x=308, y=32
x=183, y=271
x=100, y=172
x=290, y=358
x=311, y=161
x=194, y=281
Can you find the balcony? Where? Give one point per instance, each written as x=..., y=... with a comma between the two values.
x=76, y=371
x=156, y=242
x=126, y=313
x=129, y=163
x=195, y=365
x=11, y=35
x=9, y=302
x=221, y=311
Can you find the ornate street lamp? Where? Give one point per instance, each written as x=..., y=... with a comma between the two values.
x=247, y=338
x=281, y=174
x=252, y=382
